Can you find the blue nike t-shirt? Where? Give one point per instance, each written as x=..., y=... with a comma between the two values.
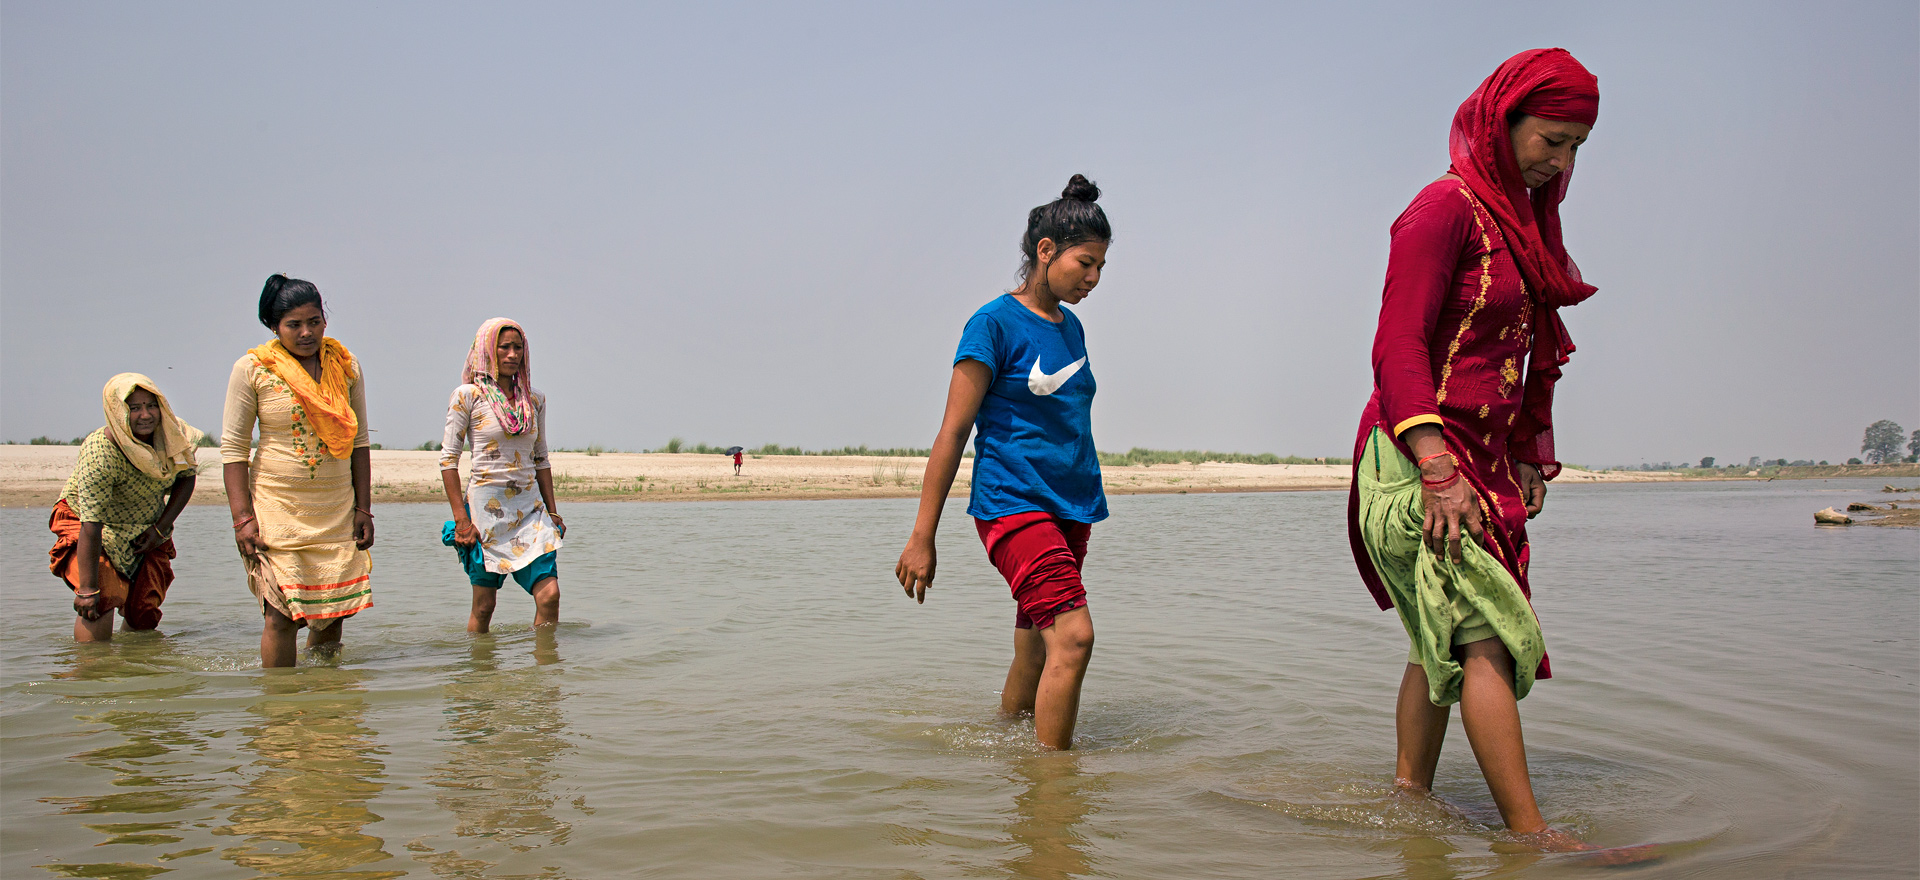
x=1033, y=449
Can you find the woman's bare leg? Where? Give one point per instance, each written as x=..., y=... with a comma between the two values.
x=277, y=634
x=326, y=639
x=546, y=602
x=97, y=630
x=1492, y=718
x=1056, y=705
x=1023, y=677
x=482, y=615
x=1419, y=729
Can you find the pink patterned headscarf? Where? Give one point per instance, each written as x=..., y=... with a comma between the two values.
x=512, y=405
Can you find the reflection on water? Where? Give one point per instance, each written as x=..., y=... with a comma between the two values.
x=749, y=699
x=318, y=765
x=150, y=781
x=506, y=731
x=1050, y=811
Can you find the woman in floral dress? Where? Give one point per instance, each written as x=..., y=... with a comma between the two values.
x=502, y=527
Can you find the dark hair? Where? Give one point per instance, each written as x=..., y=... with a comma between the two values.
x=1069, y=220
x=283, y=295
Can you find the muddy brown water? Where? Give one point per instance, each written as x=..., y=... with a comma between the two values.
x=739, y=690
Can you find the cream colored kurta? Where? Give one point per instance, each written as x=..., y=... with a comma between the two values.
x=503, y=497
x=302, y=499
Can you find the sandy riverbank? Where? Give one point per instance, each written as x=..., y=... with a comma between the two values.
x=32, y=476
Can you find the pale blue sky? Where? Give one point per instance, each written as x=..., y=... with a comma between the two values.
x=752, y=223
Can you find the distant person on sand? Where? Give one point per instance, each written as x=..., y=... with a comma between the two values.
x=1456, y=444
x=1021, y=376
x=302, y=501
x=113, y=524
x=736, y=462
x=502, y=526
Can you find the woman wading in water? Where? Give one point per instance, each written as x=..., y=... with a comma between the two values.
x=301, y=501
x=502, y=526
x=113, y=524
x=1021, y=376
x=1456, y=444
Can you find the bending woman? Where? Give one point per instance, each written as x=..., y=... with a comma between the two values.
x=113, y=524
x=501, y=527
x=1456, y=444
x=302, y=507
x=1021, y=376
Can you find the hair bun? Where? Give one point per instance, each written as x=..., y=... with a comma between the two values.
x=1080, y=189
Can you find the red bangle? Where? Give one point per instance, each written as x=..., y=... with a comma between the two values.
x=1441, y=484
x=242, y=522
x=1423, y=462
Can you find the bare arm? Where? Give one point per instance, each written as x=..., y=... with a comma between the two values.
x=246, y=530
x=161, y=530
x=86, y=570
x=362, y=464
x=544, y=476
x=915, y=569
x=464, y=534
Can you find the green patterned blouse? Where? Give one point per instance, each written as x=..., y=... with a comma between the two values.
x=106, y=488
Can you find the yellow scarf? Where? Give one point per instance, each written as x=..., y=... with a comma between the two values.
x=326, y=401
x=171, y=452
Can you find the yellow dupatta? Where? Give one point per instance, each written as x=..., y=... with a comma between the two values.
x=172, y=450
x=326, y=402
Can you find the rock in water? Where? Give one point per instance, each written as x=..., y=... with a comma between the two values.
x=1832, y=517
x=1858, y=505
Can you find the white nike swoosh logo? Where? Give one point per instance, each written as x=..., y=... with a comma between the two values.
x=1044, y=383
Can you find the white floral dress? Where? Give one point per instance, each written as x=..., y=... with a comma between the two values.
x=503, y=499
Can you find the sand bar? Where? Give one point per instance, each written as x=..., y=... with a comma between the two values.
x=32, y=476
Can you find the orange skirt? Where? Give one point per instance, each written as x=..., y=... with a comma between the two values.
x=138, y=601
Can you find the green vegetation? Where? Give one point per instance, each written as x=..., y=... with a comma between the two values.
x=678, y=445
x=1138, y=456
x=1881, y=444
x=49, y=441
x=429, y=446
x=1134, y=456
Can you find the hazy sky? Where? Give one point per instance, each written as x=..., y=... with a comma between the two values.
x=753, y=223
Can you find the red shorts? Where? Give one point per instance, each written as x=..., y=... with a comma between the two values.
x=1040, y=556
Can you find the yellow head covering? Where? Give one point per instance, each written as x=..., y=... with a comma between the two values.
x=171, y=452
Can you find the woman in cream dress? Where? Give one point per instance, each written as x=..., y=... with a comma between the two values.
x=301, y=501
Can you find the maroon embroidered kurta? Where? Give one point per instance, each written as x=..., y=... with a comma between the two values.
x=1456, y=326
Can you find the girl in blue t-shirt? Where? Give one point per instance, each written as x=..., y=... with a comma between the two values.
x=1022, y=377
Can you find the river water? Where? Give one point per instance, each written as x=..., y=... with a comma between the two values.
x=740, y=690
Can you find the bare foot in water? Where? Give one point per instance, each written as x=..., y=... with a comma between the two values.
x=1550, y=840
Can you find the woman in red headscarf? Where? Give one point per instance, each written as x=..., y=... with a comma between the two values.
x=1456, y=444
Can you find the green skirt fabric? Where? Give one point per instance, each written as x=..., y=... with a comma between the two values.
x=1442, y=604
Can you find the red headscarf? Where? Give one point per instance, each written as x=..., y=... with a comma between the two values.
x=1550, y=84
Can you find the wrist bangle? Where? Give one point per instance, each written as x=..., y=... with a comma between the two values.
x=369, y=513
x=1423, y=462
x=1442, y=483
x=241, y=522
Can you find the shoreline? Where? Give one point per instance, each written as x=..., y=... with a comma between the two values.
x=33, y=476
